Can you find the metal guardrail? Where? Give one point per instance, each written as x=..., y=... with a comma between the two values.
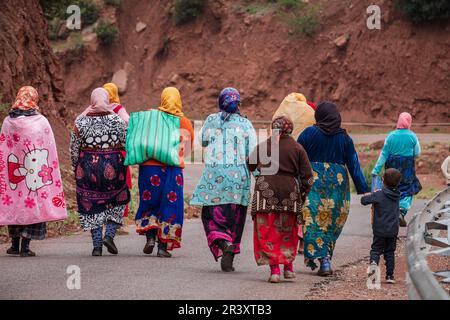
x=423, y=234
x=372, y=124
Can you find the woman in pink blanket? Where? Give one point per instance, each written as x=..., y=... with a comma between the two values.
x=31, y=191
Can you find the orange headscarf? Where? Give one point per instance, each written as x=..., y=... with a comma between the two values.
x=113, y=92
x=27, y=99
x=171, y=102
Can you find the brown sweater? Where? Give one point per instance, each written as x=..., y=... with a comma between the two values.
x=287, y=188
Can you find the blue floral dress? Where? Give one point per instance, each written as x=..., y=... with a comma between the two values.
x=226, y=178
x=224, y=188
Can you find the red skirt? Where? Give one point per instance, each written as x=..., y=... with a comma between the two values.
x=275, y=238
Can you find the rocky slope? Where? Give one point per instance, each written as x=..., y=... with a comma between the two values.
x=376, y=75
x=26, y=58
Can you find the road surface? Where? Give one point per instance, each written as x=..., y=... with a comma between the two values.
x=191, y=274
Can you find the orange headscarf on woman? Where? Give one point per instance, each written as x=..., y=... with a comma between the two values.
x=113, y=92
x=27, y=99
x=171, y=102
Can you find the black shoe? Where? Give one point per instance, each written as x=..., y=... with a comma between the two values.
x=390, y=279
x=149, y=246
x=13, y=251
x=97, y=252
x=108, y=242
x=227, y=259
x=27, y=253
x=163, y=254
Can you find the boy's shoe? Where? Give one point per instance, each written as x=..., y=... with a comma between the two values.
x=97, y=252
x=390, y=279
x=149, y=246
x=27, y=253
x=13, y=251
x=325, y=267
x=108, y=242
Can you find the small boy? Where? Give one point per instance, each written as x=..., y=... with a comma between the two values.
x=385, y=221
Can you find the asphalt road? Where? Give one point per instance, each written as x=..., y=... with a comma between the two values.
x=192, y=273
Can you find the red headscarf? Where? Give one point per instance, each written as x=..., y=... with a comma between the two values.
x=27, y=99
x=312, y=105
x=404, y=121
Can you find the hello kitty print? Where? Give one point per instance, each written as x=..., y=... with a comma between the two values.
x=31, y=188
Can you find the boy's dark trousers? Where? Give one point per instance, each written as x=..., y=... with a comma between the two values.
x=384, y=246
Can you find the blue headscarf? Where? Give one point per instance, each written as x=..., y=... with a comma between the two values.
x=229, y=102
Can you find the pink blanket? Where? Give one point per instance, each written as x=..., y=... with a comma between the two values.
x=30, y=181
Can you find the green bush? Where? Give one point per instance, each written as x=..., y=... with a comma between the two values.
x=305, y=21
x=303, y=17
x=106, y=32
x=187, y=10
x=53, y=28
x=113, y=3
x=420, y=11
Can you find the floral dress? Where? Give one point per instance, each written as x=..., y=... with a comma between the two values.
x=328, y=203
x=96, y=151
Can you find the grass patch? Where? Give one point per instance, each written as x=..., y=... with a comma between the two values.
x=258, y=7
x=107, y=33
x=427, y=193
x=302, y=17
x=185, y=11
x=74, y=43
x=67, y=227
x=421, y=11
x=113, y=3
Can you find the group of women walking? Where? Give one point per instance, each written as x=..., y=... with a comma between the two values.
x=306, y=197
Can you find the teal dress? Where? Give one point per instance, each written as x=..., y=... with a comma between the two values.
x=400, y=149
x=226, y=178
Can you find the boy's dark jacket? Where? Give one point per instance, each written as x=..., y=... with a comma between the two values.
x=386, y=211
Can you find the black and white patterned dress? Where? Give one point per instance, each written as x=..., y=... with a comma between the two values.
x=96, y=148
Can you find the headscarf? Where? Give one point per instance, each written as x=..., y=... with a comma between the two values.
x=312, y=105
x=27, y=99
x=295, y=108
x=328, y=118
x=404, y=121
x=299, y=97
x=99, y=102
x=283, y=125
x=171, y=102
x=229, y=102
x=113, y=92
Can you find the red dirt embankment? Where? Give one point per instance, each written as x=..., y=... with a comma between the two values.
x=380, y=73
